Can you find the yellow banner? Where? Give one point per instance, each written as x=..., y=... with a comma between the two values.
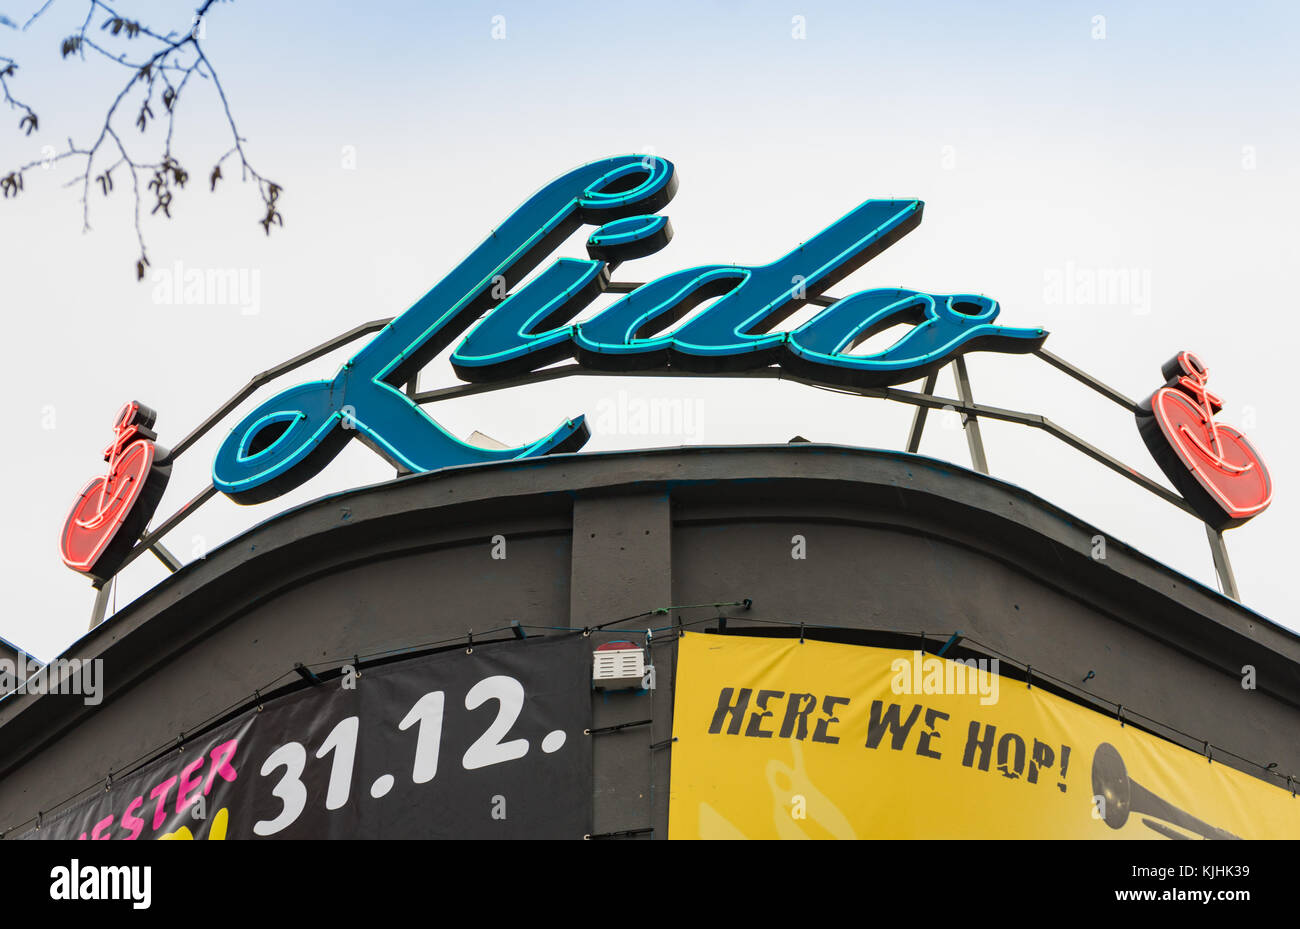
x=781, y=739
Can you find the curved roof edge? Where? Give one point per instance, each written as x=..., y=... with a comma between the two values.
x=916, y=493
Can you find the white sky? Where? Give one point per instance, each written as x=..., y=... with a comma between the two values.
x=1166, y=152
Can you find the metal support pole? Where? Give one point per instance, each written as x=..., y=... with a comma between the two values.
x=1083, y=377
x=170, y=561
x=918, y=419
x=1221, y=563
x=412, y=388
x=101, y=603
x=969, y=420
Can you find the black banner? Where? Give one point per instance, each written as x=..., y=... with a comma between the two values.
x=487, y=744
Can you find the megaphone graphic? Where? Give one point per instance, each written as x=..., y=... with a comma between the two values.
x=1121, y=795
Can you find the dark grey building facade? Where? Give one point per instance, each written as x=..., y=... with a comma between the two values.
x=901, y=550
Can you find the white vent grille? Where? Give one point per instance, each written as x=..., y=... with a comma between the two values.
x=618, y=664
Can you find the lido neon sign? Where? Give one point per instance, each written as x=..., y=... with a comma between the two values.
x=289, y=438
x=293, y=435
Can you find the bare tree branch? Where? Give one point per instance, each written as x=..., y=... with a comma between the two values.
x=158, y=78
x=31, y=19
x=29, y=123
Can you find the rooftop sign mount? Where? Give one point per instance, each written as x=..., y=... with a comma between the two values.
x=508, y=335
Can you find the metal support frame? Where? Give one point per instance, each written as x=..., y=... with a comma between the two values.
x=412, y=388
x=271, y=374
x=927, y=400
x=170, y=561
x=924, y=401
x=1083, y=377
x=149, y=541
x=1222, y=566
x=969, y=420
x=918, y=418
x=101, y=602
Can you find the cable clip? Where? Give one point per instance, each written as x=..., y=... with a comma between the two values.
x=1029, y=676
x=470, y=649
x=307, y=674
x=1120, y=712
x=257, y=696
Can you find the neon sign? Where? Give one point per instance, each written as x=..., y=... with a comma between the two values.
x=292, y=436
x=1212, y=465
x=712, y=319
x=114, y=508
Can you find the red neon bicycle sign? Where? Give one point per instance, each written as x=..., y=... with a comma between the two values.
x=114, y=508
x=1212, y=465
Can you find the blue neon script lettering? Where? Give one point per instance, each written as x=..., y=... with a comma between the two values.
x=735, y=331
x=532, y=328
x=292, y=436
